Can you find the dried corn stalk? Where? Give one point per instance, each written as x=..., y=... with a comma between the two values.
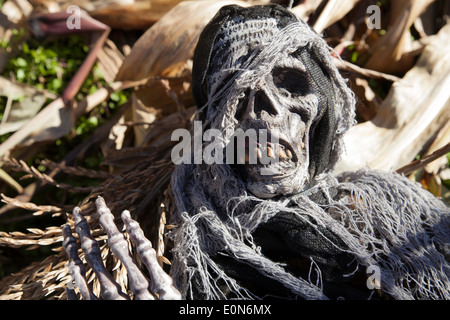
x=124, y=14
x=390, y=53
x=167, y=46
x=416, y=108
x=333, y=11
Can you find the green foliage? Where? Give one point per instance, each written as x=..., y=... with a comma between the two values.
x=50, y=65
x=47, y=65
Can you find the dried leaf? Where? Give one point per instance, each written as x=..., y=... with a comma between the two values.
x=416, y=107
x=16, y=10
x=442, y=138
x=333, y=11
x=164, y=49
x=109, y=60
x=36, y=124
x=388, y=54
x=367, y=100
x=304, y=9
x=55, y=120
x=21, y=111
x=141, y=113
x=119, y=14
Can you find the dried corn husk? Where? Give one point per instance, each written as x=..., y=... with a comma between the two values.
x=416, y=108
x=390, y=53
x=167, y=46
x=333, y=11
x=122, y=14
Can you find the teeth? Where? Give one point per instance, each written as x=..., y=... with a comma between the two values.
x=281, y=153
x=258, y=153
x=284, y=154
x=242, y=160
x=289, y=154
x=270, y=152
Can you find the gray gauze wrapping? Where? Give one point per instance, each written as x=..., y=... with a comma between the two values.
x=382, y=219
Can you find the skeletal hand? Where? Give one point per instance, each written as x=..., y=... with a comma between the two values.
x=161, y=286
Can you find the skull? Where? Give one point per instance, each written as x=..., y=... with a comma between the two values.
x=285, y=103
x=251, y=71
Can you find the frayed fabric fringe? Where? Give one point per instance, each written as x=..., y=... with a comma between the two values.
x=385, y=220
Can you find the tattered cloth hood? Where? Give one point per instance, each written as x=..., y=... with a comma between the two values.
x=241, y=45
x=230, y=244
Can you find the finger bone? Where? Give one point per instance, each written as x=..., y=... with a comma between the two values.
x=76, y=267
x=162, y=283
x=119, y=246
x=110, y=290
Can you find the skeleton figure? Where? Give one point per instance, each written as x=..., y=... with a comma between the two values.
x=300, y=232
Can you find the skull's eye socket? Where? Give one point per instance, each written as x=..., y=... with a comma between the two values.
x=294, y=81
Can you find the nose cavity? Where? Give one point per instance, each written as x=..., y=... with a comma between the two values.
x=263, y=103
